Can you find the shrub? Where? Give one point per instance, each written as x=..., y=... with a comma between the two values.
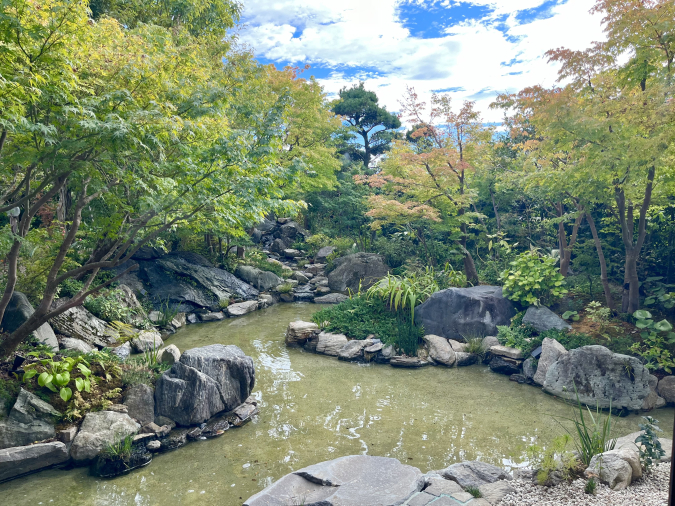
x=555, y=460
x=533, y=279
x=258, y=259
x=359, y=317
x=108, y=307
x=657, y=339
x=285, y=288
x=521, y=337
x=648, y=442
x=55, y=374
x=590, y=487
x=9, y=391
x=405, y=291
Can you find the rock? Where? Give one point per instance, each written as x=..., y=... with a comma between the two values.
x=79, y=323
x=179, y=320
x=353, y=350
x=67, y=435
x=315, y=269
x=25, y=459
x=107, y=467
x=150, y=428
x=666, y=388
x=214, y=316
x=601, y=377
x=505, y=351
x=204, y=382
x=298, y=332
x=440, y=350
x=140, y=403
x=323, y=290
x=217, y=283
x=504, y=365
x=359, y=269
x=175, y=439
x=543, y=319
x=242, y=308
x=123, y=351
x=461, y=313
x=331, y=298
x=292, y=253
x=400, y=361
x=474, y=473
x=519, y=378
x=30, y=419
x=488, y=342
x=615, y=467
x=153, y=446
x=354, y=480
x=169, y=355
x=287, y=297
x=457, y=346
x=262, y=280
x=164, y=421
x=437, y=486
x=330, y=344
x=100, y=428
x=68, y=343
x=127, y=298
x=463, y=359
x=18, y=311
x=147, y=340
x=494, y=492
x=265, y=300
x=300, y=277
x=278, y=246
x=529, y=368
x=551, y=351
x=324, y=253
x=148, y=253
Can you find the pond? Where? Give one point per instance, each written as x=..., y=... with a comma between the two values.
x=315, y=408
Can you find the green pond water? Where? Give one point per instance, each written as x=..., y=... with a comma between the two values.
x=315, y=408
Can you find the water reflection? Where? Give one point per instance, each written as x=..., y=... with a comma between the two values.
x=315, y=408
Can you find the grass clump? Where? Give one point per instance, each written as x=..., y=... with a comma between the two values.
x=590, y=487
x=119, y=450
x=475, y=345
x=285, y=288
x=474, y=492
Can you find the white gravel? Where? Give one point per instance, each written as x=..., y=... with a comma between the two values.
x=651, y=490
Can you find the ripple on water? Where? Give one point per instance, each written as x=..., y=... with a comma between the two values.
x=315, y=408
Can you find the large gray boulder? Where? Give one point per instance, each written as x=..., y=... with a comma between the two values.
x=355, y=480
x=601, y=378
x=140, y=403
x=100, y=429
x=666, y=388
x=79, y=323
x=18, y=311
x=551, y=351
x=242, y=308
x=461, y=313
x=331, y=344
x=617, y=468
x=360, y=268
x=26, y=459
x=68, y=343
x=204, y=382
x=30, y=419
x=262, y=280
x=298, y=332
x=474, y=473
x=147, y=340
x=324, y=253
x=543, y=319
x=353, y=350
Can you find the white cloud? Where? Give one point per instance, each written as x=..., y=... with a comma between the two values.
x=369, y=35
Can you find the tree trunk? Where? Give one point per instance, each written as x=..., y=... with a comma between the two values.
x=603, y=263
x=631, y=295
x=494, y=206
x=565, y=247
x=241, y=252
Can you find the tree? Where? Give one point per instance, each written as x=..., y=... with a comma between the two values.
x=132, y=133
x=376, y=126
x=431, y=170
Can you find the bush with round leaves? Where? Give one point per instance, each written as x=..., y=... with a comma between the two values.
x=533, y=279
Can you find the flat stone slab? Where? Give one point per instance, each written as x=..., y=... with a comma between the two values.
x=242, y=308
x=495, y=492
x=505, y=351
x=331, y=344
x=407, y=362
x=331, y=298
x=355, y=480
x=25, y=459
x=474, y=473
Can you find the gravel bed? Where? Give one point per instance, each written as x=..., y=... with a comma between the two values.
x=651, y=490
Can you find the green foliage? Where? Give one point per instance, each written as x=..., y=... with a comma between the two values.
x=9, y=391
x=601, y=316
x=285, y=288
x=590, y=486
x=533, y=279
x=521, y=337
x=108, y=306
x=659, y=294
x=591, y=434
x=135, y=373
x=55, y=374
x=475, y=345
x=554, y=460
x=571, y=315
x=401, y=292
x=648, y=443
x=657, y=338
x=125, y=330
x=258, y=259
x=474, y=492
x=359, y=317
x=409, y=335
x=119, y=450
x=167, y=312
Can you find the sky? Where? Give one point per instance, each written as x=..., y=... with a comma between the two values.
x=470, y=49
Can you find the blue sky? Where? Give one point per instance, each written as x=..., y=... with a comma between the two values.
x=470, y=49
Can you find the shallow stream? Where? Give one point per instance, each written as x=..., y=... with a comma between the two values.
x=315, y=408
